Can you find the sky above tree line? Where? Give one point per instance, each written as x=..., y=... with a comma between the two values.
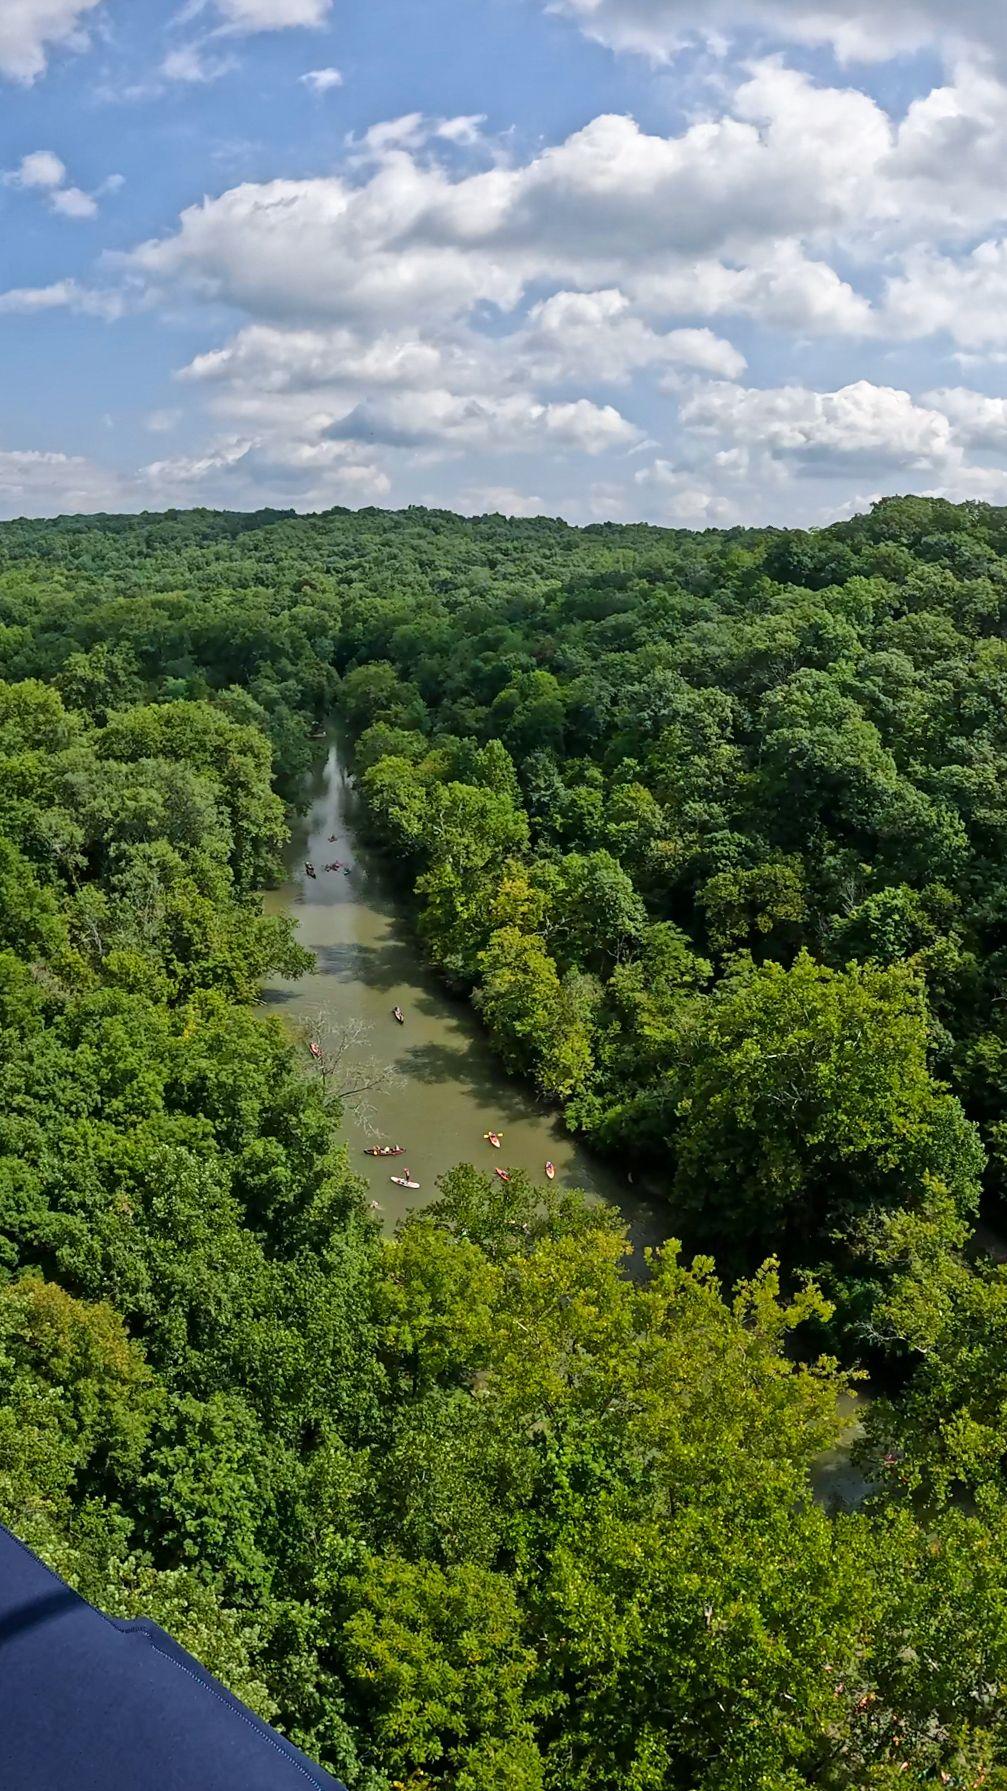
x=582, y=258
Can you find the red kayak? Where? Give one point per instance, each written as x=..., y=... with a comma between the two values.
x=504, y=1174
x=316, y=1050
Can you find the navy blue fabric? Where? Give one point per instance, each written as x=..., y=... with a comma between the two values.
x=87, y=1704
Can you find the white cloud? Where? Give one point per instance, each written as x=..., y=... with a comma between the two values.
x=863, y=423
x=783, y=289
x=978, y=420
x=30, y=29
x=194, y=64
x=250, y=471
x=739, y=213
x=322, y=80
x=675, y=497
x=71, y=202
x=517, y=421
x=41, y=169
x=595, y=336
x=43, y=172
x=610, y=205
x=967, y=298
x=61, y=295
x=856, y=29
x=272, y=15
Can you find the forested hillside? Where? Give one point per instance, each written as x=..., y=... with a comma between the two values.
x=711, y=829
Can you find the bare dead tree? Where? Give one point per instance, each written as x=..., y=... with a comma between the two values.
x=349, y=1071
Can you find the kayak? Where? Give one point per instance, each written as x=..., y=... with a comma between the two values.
x=493, y=1138
x=400, y=1182
x=316, y=1050
x=550, y=1170
x=504, y=1174
x=309, y=868
x=399, y=1015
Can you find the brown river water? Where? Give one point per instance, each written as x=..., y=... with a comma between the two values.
x=447, y=1087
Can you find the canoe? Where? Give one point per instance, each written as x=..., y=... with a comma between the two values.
x=384, y=1150
x=400, y=1182
x=550, y=1170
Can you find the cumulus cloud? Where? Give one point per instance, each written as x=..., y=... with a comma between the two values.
x=272, y=15
x=41, y=169
x=675, y=497
x=31, y=29
x=595, y=335
x=238, y=471
x=863, y=423
x=516, y=421
x=978, y=420
x=965, y=297
x=43, y=172
x=739, y=213
x=321, y=80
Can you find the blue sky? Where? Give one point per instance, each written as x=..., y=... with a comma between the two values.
x=582, y=259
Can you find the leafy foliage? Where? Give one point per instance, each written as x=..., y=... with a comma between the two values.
x=711, y=828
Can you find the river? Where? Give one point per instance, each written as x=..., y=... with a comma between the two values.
x=447, y=1087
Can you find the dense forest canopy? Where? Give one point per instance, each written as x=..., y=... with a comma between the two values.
x=712, y=829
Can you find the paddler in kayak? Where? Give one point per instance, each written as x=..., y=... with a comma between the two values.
x=504, y=1174
x=399, y=1015
x=550, y=1170
x=493, y=1138
x=309, y=867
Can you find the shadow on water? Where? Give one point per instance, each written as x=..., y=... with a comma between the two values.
x=459, y=1067
x=383, y=967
